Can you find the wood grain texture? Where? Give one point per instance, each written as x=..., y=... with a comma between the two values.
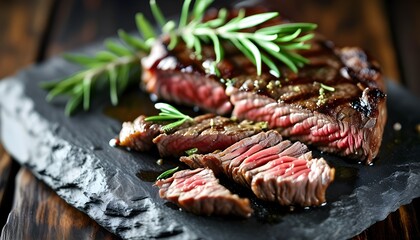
x=8, y=170
x=80, y=22
x=401, y=224
x=404, y=19
x=5, y=170
x=38, y=213
x=23, y=25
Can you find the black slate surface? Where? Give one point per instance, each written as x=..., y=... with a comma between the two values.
x=112, y=185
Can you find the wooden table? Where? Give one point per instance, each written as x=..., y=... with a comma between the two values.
x=33, y=30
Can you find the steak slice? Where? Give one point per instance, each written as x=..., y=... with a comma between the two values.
x=275, y=170
x=348, y=121
x=207, y=133
x=138, y=135
x=207, y=136
x=198, y=191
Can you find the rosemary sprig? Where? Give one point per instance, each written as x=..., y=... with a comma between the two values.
x=262, y=46
x=169, y=113
x=79, y=85
x=167, y=173
x=118, y=63
x=115, y=67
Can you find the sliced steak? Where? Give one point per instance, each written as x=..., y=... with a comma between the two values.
x=198, y=191
x=275, y=170
x=207, y=133
x=348, y=121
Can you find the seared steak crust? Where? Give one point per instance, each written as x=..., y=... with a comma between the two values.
x=348, y=121
x=198, y=191
x=275, y=170
x=138, y=135
x=207, y=133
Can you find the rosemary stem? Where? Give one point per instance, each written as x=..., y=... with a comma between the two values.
x=118, y=62
x=228, y=34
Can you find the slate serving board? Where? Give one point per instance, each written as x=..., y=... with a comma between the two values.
x=113, y=185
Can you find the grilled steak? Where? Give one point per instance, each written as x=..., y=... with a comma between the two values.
x=275, y=170
x=207, y=133
x=348, y=121
x=199, y=192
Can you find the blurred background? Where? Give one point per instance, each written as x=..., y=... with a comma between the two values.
x=34, y=30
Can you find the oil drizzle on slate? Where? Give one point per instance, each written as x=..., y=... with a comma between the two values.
x=131, y=105
x=135, y=103
x=148, y=176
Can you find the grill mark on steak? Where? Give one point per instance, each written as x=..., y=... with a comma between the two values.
x=199, y=191
x=275, y=170
x=207, y=133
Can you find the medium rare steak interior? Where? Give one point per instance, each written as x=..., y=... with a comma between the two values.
x=198, y=191
x=348, y=121
x=275, y=169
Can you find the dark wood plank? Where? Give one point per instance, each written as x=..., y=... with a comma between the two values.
x=404, y=17
x=78, y=22
x=39, y=213
x=23, y=25
x=22, y=28
x=8, y=170
x=401, y=224
x=345, y=22
x=5, y=170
